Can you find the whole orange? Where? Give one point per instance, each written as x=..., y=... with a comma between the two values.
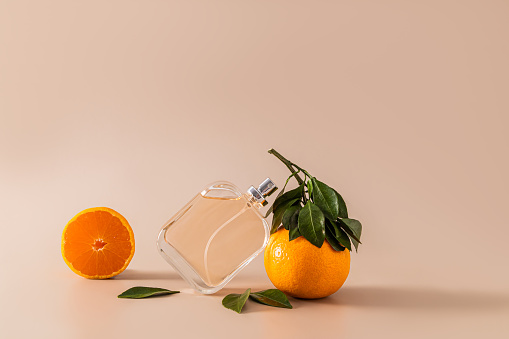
x=302, y=270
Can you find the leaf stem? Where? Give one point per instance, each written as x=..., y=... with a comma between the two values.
x=301, y=169
x=288, y=164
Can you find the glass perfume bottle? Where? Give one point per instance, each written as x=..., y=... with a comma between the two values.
x=216, y=234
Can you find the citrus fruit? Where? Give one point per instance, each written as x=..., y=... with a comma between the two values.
x=302, y=270
x=98, y=243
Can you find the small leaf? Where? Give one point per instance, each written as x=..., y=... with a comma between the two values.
x=325, y=198
x=296, y=193
x=290, y=211
x=343, y=211
x=269, y=211
x=140, y=292
x=294, y=225
x=350, y=234
x=329, y=236
x=311, y=224
x=272, y=297
x=279, y=213
x=353, y=228
x=355, y=243
x=294, y=232
x=310, y=187
x=236, y=301
x=340, y=235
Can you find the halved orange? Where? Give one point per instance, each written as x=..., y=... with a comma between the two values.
x=98, y=243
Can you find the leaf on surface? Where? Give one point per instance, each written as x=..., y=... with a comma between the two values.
x=272, y=297
x=140, y=292
x=235, y=301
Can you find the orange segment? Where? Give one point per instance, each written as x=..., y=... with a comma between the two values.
x=98, y=243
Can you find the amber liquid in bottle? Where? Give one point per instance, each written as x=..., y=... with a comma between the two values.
x=215, y=234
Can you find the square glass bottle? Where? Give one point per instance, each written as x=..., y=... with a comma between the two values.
x=216, y=234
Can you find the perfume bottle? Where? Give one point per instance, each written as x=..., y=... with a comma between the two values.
x=216, y=234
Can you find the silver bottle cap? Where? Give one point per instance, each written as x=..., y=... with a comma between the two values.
x=266, y=188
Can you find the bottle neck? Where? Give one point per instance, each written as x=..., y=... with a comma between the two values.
x=253, y=201
x=256, y=195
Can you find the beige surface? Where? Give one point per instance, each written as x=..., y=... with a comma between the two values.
x=401, y=105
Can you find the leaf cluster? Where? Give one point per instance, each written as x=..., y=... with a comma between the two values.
x=313, y=210
x=271, y=297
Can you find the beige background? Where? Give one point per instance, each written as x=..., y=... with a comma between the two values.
x=136, y=105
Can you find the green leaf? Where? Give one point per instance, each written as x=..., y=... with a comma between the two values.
x=296, y=193
x=280, y=194
x=294, y=225
x=350, y=234
x=353, y=228
x=310, y=187
x=355, y=243
x=325, y=198
x=269, y=211
x=340, y=235
x=343, y=211
x=140, y=292
x=236, y=301
x=279, y=213
x=294, y=232
x=290, y=211
x=311, y=224
x=272, y=297
x=329, y=236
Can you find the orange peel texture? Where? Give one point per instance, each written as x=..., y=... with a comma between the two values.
x=302, y=270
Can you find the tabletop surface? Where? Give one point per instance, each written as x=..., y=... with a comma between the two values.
x=137, y=105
